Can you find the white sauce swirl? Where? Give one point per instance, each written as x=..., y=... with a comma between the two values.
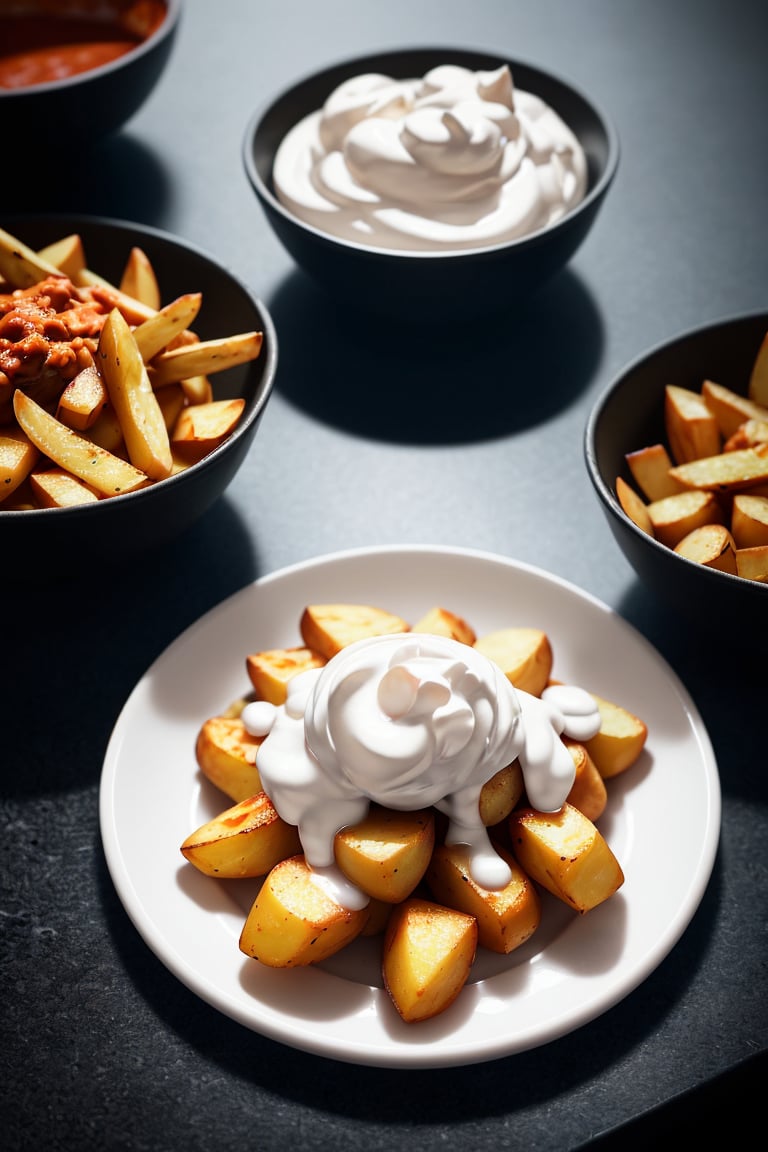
x=410, y=721
x=456, y=160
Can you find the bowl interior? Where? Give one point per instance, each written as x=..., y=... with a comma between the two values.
x=630, y=415
x=269, y=126
x=228, y=306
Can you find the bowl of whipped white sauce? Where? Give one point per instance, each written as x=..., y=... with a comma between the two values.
x=424, y=182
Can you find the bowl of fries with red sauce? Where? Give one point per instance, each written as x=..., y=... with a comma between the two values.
x=134, y=371
x=74, y=71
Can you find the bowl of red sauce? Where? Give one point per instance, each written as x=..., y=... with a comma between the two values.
x=74, y=71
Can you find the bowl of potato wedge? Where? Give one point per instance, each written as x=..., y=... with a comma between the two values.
x=677, y=451
x=134, y=372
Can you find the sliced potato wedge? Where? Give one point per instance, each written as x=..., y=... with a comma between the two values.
x=133, y=399
x=711, y=545
x=106, y=473
x=428, y=954
x=692, y=430
x=327, y=628
x=565, y=853
x=293, y=922
x=523, y=654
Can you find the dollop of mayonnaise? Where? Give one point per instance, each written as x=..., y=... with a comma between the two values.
x=456, y=160
x=410, y=721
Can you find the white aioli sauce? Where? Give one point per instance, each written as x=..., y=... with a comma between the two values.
x=459, y=159
x=410, y=721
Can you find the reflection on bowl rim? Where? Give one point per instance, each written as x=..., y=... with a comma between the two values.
x=268, y=352
x=265, y=189
x=172, y=16
x=606, y=492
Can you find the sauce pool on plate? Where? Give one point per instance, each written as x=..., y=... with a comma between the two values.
x=59, y=42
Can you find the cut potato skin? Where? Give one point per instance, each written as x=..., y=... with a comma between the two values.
x=500, y=794
x=226, y=755
x=387, y=853
x=327, y=628
x=619, y=742
x=711, y=545
x=441, y=622
x=675, y=516
x=271, y=670
x=523, y=654
x=244, y=841
x=634, y=506
x=565, y=853
x=293, y=922
x=506, y=918
x=427, y=957
x=692, y=430
x=589, y=793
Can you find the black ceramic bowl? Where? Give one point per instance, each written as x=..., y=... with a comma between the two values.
x=129, y=524
x=63, y=115
x=442, y=283
x=629, y=416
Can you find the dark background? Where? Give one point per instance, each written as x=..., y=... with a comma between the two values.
x=469, y=436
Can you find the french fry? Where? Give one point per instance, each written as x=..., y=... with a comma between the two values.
x=20, y=265
x=133, y=398
x=692, y=430
x=56, y=488
x=676, y=516
x=711, y=545
x=160, y=330
x=634, y=506
x=66, y=254
x=106, y=473
x=728, y=471
x=752, y=563
x=757, y=389
x=729, y=408
x=18, y=456
x=82, y=401
x=139, y=280
x=205, y=357
x=749, y=520
x=202, y=427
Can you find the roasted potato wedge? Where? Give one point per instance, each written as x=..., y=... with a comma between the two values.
x=428, y=955
x=271, y=670
x=565, y=853
x=506, y=918
x=619, y=742
x=247, y=839
x=293, y=922
x=327, y=628
x=387, y=853
x=523, y=654
x=226, y=755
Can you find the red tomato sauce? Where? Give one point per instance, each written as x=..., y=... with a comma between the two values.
x=44, y=48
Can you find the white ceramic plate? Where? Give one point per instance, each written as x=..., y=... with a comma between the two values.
x=662, y=822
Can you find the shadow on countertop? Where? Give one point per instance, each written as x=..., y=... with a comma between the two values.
x=463, y=381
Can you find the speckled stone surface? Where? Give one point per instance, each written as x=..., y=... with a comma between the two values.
x=462, y=435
